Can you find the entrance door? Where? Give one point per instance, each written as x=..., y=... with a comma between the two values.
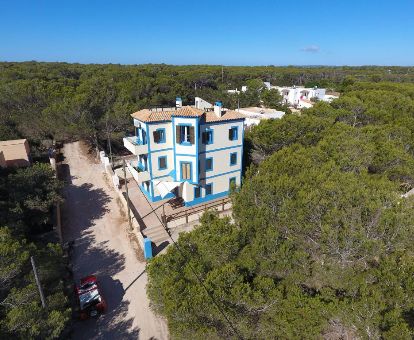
x=185, y=171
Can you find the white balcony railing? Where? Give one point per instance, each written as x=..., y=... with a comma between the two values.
x=134, y=146
x=139, y=176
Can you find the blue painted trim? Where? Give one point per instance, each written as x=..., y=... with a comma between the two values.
x=157, y=177
x=231, y=154
x=167, y=149
x=145, y=192
x=149, y=162
x=235, y=135
x=241, y=155
x=191, y=172
x=147, y=248
x=210, y=133
x=159, y=162
x=212, y=165
x=159, y=198
x=161, y=141
x=223, y=174
x=224, y=122
x=211, y=191
x=184, y=143
x=175, y=155
x=220, y=149
x=172, y=173
x=206, y=199
x=199, y=192
x=185, y=154
x=197, y=141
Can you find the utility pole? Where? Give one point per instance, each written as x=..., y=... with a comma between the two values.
x=222, y=74
x=108, y=136
x=42, y=297
x=127, y=195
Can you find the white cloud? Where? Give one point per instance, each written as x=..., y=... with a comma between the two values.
x=311, y=49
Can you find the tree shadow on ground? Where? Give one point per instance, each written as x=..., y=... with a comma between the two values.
x=114, y=323
x=84, y=205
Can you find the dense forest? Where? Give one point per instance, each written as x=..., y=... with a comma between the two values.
x=27, y=198
x=65, y=101
x=321, y=242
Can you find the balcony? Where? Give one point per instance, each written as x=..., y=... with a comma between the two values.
x=135, y=146
x=138, y=174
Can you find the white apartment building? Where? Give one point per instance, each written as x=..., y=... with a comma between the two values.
x=300, y=96
x=188, y=152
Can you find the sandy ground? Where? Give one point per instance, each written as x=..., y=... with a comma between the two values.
x=92, y=217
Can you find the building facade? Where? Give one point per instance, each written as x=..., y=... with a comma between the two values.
x=300, y=96
x=187, y=152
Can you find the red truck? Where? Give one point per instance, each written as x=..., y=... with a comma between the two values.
x=91, y=302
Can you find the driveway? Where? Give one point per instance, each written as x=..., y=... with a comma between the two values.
x=93, y=219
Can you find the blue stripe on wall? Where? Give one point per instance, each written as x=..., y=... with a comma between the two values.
x=227, y=148
x=223, y=174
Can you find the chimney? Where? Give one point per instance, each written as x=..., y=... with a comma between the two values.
x=178, y=102
x=218, y=109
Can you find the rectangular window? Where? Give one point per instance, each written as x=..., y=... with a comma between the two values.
x=233, y=133
x=209, y=164
x=232, y=183
x=185, y=134
x=162, y=162
x=209, y=189
x=233, y=158
x=159, y=136
x=185, y=171
x=208, y=136
x=197, y=192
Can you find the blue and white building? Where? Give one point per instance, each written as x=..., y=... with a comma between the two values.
x=189, y=152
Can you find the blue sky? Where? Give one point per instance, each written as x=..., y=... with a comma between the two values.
x=229, y=32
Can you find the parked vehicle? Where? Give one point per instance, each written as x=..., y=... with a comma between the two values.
x=91, y=302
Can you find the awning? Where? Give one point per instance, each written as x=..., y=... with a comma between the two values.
x=186, y=190
x=165, y=187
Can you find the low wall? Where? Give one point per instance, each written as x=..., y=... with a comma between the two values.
x=115, y=182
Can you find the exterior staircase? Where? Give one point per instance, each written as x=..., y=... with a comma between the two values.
x=156, y=234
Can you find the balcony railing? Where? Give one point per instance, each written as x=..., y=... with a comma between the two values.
x=139, y=175
x=135, y=146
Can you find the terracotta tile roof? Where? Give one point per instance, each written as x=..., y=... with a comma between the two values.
x=229, y=115
x=188, y=111
x=146, y=115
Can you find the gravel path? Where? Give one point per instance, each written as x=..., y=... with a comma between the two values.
x=92, y=217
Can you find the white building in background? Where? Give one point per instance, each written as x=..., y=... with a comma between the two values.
x=190, y=152
x=300, y=96
x=253, y=115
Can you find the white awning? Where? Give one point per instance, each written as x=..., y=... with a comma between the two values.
x=165, y=187
x=186, y=190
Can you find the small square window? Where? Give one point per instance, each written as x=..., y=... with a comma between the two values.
x=233, y=133
x=197, y=192
x=162, y=163
x=161, y=136
x=208, y=136
x=209, y=189
x=209, y=164
x=233, y=158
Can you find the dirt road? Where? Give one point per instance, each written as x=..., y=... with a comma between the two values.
x=92, y=217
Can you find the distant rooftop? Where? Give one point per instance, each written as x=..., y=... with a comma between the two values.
x=259, y=112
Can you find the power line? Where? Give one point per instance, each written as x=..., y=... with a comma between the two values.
x=233, y=328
